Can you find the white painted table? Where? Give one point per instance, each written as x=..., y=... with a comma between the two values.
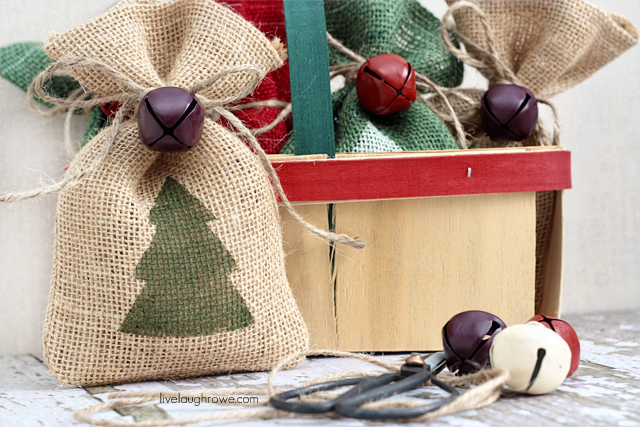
x=605, y=391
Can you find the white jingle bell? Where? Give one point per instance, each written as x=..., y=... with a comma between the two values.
x=537, y=358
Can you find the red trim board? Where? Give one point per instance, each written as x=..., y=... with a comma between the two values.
x=398, y=177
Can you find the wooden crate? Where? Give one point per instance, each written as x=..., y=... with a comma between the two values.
x=445, y=232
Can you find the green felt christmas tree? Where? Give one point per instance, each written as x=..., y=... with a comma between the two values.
x=186, y=270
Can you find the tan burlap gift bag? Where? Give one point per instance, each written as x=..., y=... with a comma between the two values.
x=547, y=46
x=166, y=265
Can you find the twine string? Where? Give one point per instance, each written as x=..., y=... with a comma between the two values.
x=490, y=64
x=326, y=353
x=74, y=174
x=70, y=106
x=257, y=74
x=423, y=83
x=283, y=115
x=79, y=94
x=56, y=109
x=486, y=387
x=131, y=95
x=556, y=122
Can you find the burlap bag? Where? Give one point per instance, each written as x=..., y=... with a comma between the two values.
x=371, y=28
x=167, y=265
x=550, y=45
x=547, y=46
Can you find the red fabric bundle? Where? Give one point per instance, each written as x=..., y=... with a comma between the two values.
x=268, y=17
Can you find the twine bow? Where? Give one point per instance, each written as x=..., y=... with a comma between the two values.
x=130, y=97
x=488, y=63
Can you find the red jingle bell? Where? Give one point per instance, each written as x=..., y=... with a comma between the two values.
x=567, y=332
x=386, y=84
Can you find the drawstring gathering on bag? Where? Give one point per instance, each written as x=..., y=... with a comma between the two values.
x=130, y=97
x=489, y=63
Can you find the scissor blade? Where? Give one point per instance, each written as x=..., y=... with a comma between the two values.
x=436, y=362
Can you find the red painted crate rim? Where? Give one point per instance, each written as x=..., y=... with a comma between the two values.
x=375, y=177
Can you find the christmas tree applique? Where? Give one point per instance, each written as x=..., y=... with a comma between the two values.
x=186, y=270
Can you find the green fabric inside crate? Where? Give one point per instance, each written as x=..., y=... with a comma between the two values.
x=372, y=28
x=20, y=63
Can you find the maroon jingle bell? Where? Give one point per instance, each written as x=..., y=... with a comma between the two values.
x=509, y=113
x=386, y=84
x=467, y=339
x=170, y=119
x=567, y=332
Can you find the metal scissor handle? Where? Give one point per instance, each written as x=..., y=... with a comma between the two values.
x=281, y=402
x=351, y=407
x=413, y=374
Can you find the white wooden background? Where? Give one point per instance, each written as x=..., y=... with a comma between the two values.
x=601, y=124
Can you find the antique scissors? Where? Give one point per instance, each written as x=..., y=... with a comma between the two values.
x=414, y=373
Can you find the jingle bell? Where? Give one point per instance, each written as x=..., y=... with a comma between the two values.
x=467, y=338
x=536, y=358
x=567, y=332
x=508, y=113
x=170, y=119
x=386, y=84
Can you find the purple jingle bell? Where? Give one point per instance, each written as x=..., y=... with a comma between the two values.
x=170, y=119
x=509, y=113
x=467, y=338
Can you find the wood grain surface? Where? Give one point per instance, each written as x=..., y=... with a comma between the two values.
x=429, y=259
x=426, y=259
x=310, y=274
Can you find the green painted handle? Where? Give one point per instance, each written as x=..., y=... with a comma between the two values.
x=309, y=71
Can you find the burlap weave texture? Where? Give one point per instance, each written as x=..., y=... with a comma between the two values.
x=551, y=45
x=103, y=227
x=20, y=63
x=548, y=45
x=268, y=17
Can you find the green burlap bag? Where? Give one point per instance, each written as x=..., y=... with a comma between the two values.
x=371, y=28
x=20, y=63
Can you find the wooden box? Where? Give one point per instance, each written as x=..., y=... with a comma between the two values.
x=445, y=232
